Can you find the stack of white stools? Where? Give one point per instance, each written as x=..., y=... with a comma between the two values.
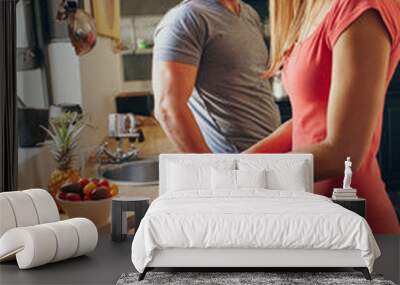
x=31, y=230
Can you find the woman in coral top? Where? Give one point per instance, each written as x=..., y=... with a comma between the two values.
x=337, y=58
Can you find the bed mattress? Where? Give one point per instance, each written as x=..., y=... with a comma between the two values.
x=250, y=219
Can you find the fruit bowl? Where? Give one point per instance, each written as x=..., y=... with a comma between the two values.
x=98, y=211
x=88, y=198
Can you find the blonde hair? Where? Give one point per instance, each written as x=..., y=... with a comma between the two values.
x=287, y=19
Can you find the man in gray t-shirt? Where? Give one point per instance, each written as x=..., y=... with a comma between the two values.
x=209, y=94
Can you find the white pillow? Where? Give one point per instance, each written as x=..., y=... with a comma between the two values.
x=226, y=179
x=187, y=175
x=181, y=177
x=223, y=179
x=282, y=174
x=251, y=178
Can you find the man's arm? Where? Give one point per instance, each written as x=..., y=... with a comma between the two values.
x=173, y=84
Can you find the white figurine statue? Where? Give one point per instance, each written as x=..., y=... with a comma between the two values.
x=347, y=174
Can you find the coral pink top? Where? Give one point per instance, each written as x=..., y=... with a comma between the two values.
x=307, y=79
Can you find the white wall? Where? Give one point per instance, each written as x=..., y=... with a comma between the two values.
x=101, y=80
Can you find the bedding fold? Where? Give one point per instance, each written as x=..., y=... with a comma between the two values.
x=252, y=218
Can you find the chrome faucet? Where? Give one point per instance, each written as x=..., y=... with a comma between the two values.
x=120, y=127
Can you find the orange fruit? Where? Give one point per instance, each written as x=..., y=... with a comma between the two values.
x=114, y=189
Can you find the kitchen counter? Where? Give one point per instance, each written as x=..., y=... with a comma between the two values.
x=155, y=142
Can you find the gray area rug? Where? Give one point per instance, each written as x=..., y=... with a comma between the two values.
x=244, y=278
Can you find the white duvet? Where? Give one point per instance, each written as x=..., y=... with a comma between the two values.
x=250, y=219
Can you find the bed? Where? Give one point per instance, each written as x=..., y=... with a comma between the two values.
x=247, y=211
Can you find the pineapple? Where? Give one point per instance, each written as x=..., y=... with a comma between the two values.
x=64, y=132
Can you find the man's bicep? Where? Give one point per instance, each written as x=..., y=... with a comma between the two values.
x=173, y=81
x=180, y=38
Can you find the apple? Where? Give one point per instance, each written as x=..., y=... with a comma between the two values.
x=73, y=197
x=104, y=183
x=62, y=195
x=84, y=181
x=100, y=193
x=95, y=181
x=87, y=197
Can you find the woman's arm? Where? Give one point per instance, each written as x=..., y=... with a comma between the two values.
x=359, y=75
x=279, y=141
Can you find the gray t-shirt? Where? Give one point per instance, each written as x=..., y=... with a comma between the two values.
x=232, y=104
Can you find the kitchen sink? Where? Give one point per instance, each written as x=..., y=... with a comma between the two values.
x=139, y=172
